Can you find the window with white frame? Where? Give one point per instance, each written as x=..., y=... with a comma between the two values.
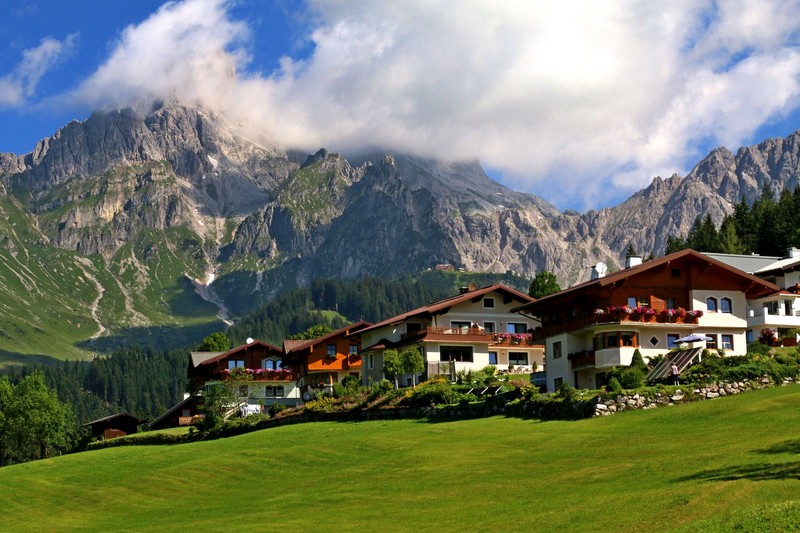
x=276, y=391
x=726, y=342
x=271, y=363
x=516, y=327
x=672, y=340
x=456, y=353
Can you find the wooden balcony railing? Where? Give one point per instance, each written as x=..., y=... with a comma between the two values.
x=610, y=318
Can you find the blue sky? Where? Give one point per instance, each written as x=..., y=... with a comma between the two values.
x=580, y=102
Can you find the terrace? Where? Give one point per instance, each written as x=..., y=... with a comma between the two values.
x=618, y=315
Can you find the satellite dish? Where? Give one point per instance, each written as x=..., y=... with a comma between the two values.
x=250, y=340
x=599, y=270
x=472, y=286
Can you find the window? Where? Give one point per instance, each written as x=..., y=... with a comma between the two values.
x=631, y=301
x=186, y=412
x=725, y=306
x=492, y=358
x=672, y=340
x=557, y=383
x=517, y=358
x=712, y=344
x=711, y=304
x=460, y=324
x=675, y=273
x=456, y=353
x=557, y=350
x=611, y=341
x=274, y=392
x=671, y=303
x=643, y=301
x=371, y=361
x=488, y=303
x=726, y=342
x=235, y=363
x=488, y=327
x=353, y=350
x=516, y=327
x=273, y=363
x=331, y=350
x=772, y=308
x=627, y=339
x=654, y=341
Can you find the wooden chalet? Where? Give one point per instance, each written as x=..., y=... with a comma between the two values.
x=591, y=327
x=113, y=426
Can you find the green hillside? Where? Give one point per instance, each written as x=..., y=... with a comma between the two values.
x=722, y=465
x=57, y=304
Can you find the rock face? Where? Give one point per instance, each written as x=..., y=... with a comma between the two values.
x=176, y=193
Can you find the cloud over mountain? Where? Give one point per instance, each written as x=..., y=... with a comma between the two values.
x=553, y=96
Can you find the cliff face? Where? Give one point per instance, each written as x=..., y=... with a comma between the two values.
x=180, y=216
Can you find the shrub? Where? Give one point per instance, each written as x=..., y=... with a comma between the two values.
x=614, y=386
x=632, y=378
x=638, y=361
x=567, y=392
x=757, y=348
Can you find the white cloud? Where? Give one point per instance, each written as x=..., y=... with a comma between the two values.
x=555, y=95
x=20, y=84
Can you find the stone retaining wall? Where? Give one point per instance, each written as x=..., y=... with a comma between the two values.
x=605, y=407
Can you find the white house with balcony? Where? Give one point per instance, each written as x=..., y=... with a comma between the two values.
x=469, y=331
x=592, y=327
x=780, y=311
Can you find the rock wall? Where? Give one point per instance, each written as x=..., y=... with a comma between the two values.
x=629, y=402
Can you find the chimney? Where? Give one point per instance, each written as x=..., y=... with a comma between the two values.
x=792, y=252
x=632, y=260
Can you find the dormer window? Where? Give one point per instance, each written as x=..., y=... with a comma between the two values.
x=271, y=363
x=488, y=303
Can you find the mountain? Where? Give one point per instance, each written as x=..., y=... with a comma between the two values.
x=152, y=227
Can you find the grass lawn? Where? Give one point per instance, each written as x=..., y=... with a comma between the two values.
x=721, y=465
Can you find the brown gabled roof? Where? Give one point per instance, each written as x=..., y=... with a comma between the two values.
x=198, y=358
x=765, y=287
x=291, y=346
x=442, y=306
x=112, y=417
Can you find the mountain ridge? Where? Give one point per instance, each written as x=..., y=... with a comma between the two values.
x=172, y=218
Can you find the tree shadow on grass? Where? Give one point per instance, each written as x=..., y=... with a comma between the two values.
x=789, y=446
x=752, y=472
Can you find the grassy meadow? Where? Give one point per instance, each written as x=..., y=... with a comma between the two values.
x=722, y=465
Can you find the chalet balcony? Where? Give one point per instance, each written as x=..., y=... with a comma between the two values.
x=762, y=318
x=605, y=358
x=260, y=374
x=619, y=315
x=445, y=334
